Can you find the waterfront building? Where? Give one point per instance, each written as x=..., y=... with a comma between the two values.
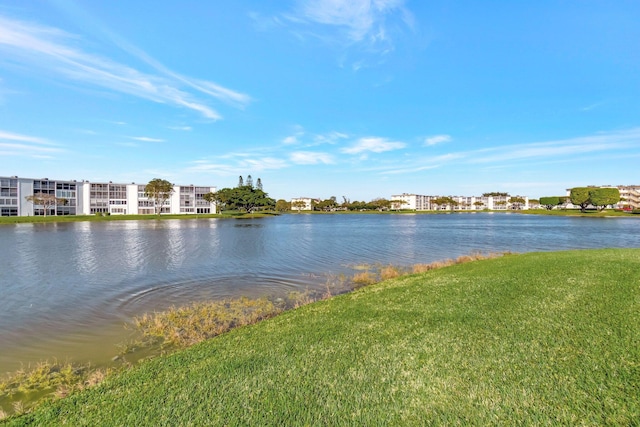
x=629, y=196
x=91, y=198
x=418, y=202
x=308, y=203
x=414, y=202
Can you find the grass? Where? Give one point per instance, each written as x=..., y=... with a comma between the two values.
x=241, y=215
x=577, y=212
x=101, y=218
x=532, y=339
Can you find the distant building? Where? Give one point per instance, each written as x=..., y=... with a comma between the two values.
x=420, y=202
x=629, y=196
x=89, y=198
x=307, y=206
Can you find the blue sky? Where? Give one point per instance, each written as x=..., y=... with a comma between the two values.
x=323, y=98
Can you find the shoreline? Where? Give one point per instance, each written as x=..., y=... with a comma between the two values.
x=92, y=218
x=426, y=347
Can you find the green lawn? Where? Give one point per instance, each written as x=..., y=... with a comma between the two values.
x=533, y=339
x=77, y=218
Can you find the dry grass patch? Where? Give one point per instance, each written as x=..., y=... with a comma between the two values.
x=389, y=272
x=185, y=326
x=364, y=279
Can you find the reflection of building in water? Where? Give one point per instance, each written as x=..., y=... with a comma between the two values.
x=89, y=198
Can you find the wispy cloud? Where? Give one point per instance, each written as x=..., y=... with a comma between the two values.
x=508, y=156
x=236, y=164
x=605, y=141
x=290, y=140
x=371, y=26
x=9, y=136
x=146, y=139
x=374, y=145
x=300, y=136
x=329, y=138
x=362, y=20
x=294, y=138
x=311, y=158
x=183, y=128
x=55, y=52
x=13, y=144
x=436, y=139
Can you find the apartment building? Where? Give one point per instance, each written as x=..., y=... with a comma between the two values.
x=629, y=196
x=466, y=203
x=308, y=203
x=90, y=198
x=415, y=202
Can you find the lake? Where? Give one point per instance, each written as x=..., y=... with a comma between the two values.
x=67, y=289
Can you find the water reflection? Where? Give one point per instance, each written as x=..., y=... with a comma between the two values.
x=84, y=249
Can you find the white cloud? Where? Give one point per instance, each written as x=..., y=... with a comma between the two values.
x=310, y=140
x=264, y=163
x=373, y=144
x=605, y=141
x=611, y=144
x=23, y=138
x=329, y=138
x=363, y=20
x=51, y=51
x=436, y=139
x=292, y=139
x=310, y=158
x=146, y=139
x=183, y=128
x=13, y=144
x=363, y=31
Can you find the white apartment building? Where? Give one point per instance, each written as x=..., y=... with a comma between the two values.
x=415, y=202
x=419, y=202
x=308, y=203
x=90, y=198
x=629, y=196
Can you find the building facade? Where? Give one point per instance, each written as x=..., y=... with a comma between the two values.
x=91, y=198
x=418, y=202
x=308, y=203
x=629, y=196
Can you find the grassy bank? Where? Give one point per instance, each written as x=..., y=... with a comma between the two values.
x=240, y=215
x=544, y=338
x=100, y=218
x=577, y=212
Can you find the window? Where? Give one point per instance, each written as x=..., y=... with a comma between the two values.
x=8, y=211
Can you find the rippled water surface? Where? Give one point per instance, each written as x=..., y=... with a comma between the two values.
x=66, y=289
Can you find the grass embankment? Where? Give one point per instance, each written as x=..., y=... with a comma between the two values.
x=578, y=213
x=543, y=338
x=102, y=218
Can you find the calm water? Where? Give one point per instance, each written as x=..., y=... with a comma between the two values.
x=66, y=289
